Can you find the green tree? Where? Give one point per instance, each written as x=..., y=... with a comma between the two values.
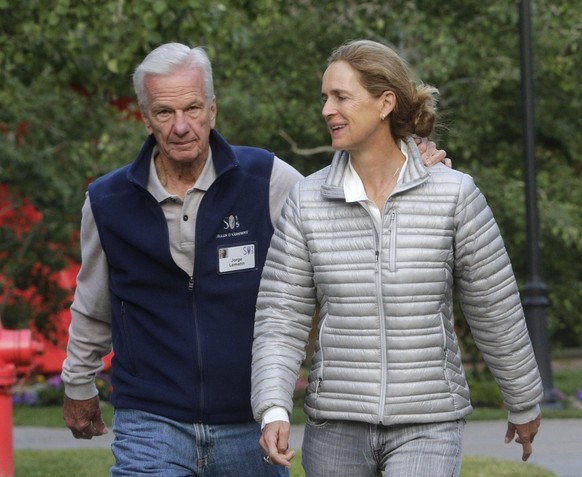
x=66, y=73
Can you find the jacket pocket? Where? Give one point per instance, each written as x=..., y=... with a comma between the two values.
x=319, y=423
x=444, y=349
x=126, y=340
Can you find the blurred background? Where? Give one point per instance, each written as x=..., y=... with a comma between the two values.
x=68, y=115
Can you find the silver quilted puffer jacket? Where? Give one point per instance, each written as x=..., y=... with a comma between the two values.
x=386, y=351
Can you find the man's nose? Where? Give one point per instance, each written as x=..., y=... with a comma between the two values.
x=181, y=125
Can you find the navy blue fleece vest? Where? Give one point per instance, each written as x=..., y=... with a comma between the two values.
x=183, y=343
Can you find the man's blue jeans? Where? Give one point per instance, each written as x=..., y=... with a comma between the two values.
x=147, y=444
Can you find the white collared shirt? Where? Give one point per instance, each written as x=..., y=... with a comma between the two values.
x=354, y=187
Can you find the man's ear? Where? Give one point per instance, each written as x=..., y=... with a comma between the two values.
x=146, y=122
x=213, y=112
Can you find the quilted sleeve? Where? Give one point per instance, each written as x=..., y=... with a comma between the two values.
x=490, y=300
x=285, y=307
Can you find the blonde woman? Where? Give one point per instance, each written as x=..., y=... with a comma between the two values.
x=378, y=240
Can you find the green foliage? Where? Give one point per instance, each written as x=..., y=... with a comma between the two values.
x=64, y=64
x=485, y=393
x=54, y=141
x=568, y=380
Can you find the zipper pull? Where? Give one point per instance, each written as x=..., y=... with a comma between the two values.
x=317, y=386
x=191, y=284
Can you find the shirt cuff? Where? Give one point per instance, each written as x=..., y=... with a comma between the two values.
x=523, y=417
x=81, y=392
x=275, y=413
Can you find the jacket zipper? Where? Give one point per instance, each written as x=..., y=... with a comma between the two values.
x=321, y=371
x=382, y=330
x=318, y=386
x=445, y=348
x=392, y=230
x=198, y=347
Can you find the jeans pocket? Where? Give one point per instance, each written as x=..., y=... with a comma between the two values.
x=320, y=423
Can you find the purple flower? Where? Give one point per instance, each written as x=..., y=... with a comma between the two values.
x=579, y=395
x=17, y=399
x=559, y=395
x=28, y=398
x=104, y=377
x=55, y=382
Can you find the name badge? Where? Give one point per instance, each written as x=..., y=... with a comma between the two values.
x=237, y=258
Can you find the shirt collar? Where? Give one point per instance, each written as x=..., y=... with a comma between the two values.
x=155, y=187
x=354, y=187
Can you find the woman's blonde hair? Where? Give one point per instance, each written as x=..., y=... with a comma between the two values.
x=381, y=69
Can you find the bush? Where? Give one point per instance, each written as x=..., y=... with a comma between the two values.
x=485, y=393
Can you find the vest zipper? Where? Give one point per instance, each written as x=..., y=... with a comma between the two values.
x=202, y=404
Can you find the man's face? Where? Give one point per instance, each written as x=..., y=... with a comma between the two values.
x=179, y=115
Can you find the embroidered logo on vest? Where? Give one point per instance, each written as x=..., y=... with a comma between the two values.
x=231, y=222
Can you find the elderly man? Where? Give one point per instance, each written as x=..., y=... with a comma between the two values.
x=172, y=251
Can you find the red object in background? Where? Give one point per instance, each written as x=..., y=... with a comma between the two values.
x=128, y=106
x=55, y=346
x=18, y=354
x=25, y=216
x=21, y=219
x=7, y=379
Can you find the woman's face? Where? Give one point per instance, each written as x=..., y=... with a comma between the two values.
x=352, y=115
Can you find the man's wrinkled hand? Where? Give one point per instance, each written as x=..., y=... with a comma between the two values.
x=525, y=435
x=430, y=154
x=83, y=418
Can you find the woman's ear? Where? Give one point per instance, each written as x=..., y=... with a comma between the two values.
x=388, y=103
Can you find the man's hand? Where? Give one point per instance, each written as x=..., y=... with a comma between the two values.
x=525, y=435
x=430, y=154
x=275, y=443
x=84, y=418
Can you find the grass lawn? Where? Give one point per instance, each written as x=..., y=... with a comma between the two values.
x=96, y=463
